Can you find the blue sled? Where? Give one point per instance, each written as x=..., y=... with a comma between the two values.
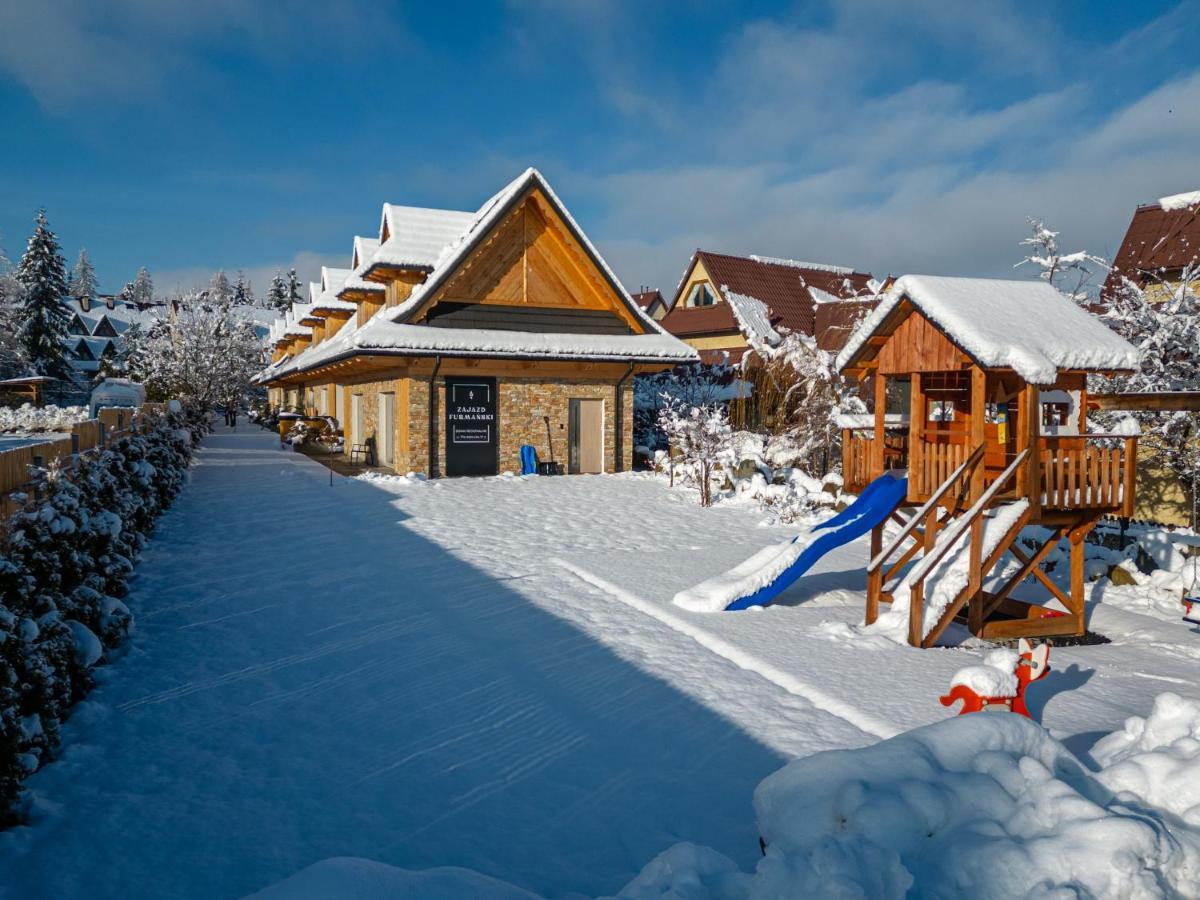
x=877, y=501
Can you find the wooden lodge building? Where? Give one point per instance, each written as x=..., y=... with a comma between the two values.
x=814, y=299
x=455, y=338
x=980, y=397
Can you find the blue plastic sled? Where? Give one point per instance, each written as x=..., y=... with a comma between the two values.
x=529, y=460
x=877, y=501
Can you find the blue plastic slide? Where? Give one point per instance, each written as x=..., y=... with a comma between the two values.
x=877, y=501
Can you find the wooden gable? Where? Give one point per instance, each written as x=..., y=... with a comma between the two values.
x=531, y=259
x=917, y=345
x=104, y=328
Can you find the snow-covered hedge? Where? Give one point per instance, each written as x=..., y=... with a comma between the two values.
x=64, y=563
x=27, y=418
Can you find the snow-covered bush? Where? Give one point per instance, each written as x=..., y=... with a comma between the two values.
x=28, y=418
x=699, y=436
x=64, y=563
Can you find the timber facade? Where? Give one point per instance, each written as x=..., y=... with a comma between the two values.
x=457, y=338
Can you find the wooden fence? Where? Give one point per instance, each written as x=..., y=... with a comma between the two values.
x=110, y=425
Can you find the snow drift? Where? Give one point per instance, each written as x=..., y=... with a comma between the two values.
x=981, y=806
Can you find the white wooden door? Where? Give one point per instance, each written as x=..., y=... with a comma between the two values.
x=385, y=433
x=356, y=421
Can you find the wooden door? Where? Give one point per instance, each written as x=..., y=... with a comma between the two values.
x=586, y=451
x=387, y=429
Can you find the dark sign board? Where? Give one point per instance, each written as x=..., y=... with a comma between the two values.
x=472, y=426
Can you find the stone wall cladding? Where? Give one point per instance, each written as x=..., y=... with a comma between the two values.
x=370, y=392
x=523, y=404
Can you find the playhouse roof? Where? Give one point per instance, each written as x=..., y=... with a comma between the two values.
x=1027, y=326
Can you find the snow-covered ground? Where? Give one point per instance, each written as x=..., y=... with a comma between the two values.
x=486, y=674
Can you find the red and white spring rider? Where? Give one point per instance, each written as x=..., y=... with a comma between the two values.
x=999, y=684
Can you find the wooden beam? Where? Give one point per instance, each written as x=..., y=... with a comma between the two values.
x=1002, y=629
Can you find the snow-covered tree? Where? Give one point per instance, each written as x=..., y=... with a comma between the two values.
x=13, y=359
x=243, y=293
x=42, y=272
x=143, y=289
x=293, y=288
x=1071, y=273
x=277, y=293
x=699, y=436
x=219, y=289
x=83, y=278
x=691, y=385
x=203, y=351
x=1161, y=317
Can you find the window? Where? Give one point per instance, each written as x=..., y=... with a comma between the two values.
x=1060, y=412
x=941, y=411
x=701, y=295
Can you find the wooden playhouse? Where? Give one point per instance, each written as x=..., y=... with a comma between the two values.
x=980, y=396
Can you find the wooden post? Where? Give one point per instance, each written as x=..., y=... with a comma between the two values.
x=1077, y=565
x=1129, y=477
x=880, y=413
x=916, y=615
x=874, y=576
x=978, y=404
x=1031, y=407
x=975, y=577
x=917, y=490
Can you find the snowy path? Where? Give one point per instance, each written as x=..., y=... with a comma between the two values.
x=313, y=676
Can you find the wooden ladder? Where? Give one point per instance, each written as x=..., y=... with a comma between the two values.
x=879, y=573
x=969, y=524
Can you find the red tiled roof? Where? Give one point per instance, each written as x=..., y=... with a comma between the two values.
x=782, y=286
x=691, y=321
x=835, y=322
x=1158, y=241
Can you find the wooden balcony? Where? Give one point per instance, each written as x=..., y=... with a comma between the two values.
x=1094, y=472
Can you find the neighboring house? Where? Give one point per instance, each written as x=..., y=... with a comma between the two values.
x=1163, y=239
x=815, y=299
x=652, y=301
x=97, y=328
x=458, y=337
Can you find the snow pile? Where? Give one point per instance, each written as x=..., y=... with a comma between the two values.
x=28, y=418
x=1180, y=201
x=1156, y=760
x=1026, y=325
x=948, y=577
x=988, y=804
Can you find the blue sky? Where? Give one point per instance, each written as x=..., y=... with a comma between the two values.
x=894, y=137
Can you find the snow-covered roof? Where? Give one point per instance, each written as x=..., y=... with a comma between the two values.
x=389, y=331
x=417, y=235
x=332, y=278
x=753, y=318
x=1024, y=325
x=364, y=251
x=801, y=264
x=1180, y=201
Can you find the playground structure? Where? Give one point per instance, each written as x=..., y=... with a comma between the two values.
x=980, y=396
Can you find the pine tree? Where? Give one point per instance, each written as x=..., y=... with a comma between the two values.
x=220, y=291
x=83, y=281
x=293, y=288
x=143, y=289
x=277, y=297
x=42, y=270
x=242, y=294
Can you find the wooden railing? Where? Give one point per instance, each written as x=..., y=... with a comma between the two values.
x=933, y=463
x=1080, y=475
x=970, y=522
x=858, y=452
